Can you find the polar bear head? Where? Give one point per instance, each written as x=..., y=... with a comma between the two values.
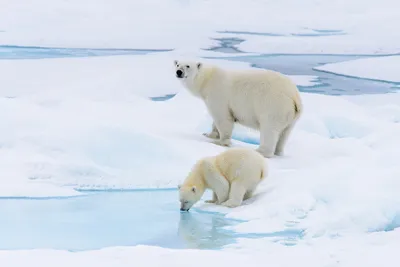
x=186, y=70
x=188, y=196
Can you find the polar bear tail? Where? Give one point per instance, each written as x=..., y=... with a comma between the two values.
x=298, y=106
x=298, y=110
x=264, y=172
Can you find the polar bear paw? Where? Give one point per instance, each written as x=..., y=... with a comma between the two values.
x=226, y=142
x=212, y=135
x=279, y=153
x=230, y=204
x=211, y=201
x=265, y=152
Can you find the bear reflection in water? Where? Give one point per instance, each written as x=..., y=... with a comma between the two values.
x=205, y=230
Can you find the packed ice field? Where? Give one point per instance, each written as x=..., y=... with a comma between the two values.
x=89, y=123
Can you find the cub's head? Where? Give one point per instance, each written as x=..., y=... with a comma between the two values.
x=188, y=196
x=186, y=70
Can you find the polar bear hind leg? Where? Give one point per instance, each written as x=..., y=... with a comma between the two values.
x=236, y=195
x=268, y=140
x=248, y=194
x=280, y=146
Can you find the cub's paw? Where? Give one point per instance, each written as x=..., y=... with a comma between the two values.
x=230, y=204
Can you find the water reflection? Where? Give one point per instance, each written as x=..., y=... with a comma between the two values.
x=205, y=231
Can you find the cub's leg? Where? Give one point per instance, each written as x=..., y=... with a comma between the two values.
x=216, y=181
x=248, y=194
x=213, y=200
x=236, y=195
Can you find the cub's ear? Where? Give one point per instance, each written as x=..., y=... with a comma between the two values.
x=194, y=189
x=199, y=65
x=175, y=62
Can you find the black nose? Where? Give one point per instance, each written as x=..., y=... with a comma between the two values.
x=184, y=209
x=179, y=73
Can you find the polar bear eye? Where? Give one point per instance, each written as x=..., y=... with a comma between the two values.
x=186, y=202
x=187, y=66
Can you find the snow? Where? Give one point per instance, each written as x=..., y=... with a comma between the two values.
x=366, y=250
x=142, y=24
x=91, y=125
x=375, y=68
x=88, y=123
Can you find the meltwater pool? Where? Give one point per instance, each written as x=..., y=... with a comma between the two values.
x=104, y=219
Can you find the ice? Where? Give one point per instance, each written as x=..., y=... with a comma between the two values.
x=187, y=26
x=367, y=250
x=91, y=125
x=374, y=68
x=75, y=124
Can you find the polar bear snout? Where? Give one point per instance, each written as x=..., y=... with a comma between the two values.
x=186, y=205
x=179, y=73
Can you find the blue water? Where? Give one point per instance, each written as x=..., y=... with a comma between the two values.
x=315, y=33
x=326, y=83
x=117, y=218
x=304, y=64
x=105, y=219
x=35, y=52
x=163, y=97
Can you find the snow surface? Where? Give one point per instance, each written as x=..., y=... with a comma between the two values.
x=366, y=27
x=87, y=123
x=375, y=68
x=90, y=125
x=357, y=250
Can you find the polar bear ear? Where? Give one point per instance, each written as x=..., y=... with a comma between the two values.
x=199, y=65
x=194, y=189
x=179, y=186
x=175, y=62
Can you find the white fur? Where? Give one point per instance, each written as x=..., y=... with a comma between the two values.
x=232, y=175
x=263, y=100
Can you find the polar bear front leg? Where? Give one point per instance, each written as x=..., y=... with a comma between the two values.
x=214, y=134
x=213, y=200
x=225, y=128
x=216, y=181
x=223, y=121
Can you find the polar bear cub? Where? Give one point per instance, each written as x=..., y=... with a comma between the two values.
x=263, y=100
x=232, y=175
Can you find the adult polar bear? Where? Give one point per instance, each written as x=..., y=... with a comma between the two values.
x=263, y=100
